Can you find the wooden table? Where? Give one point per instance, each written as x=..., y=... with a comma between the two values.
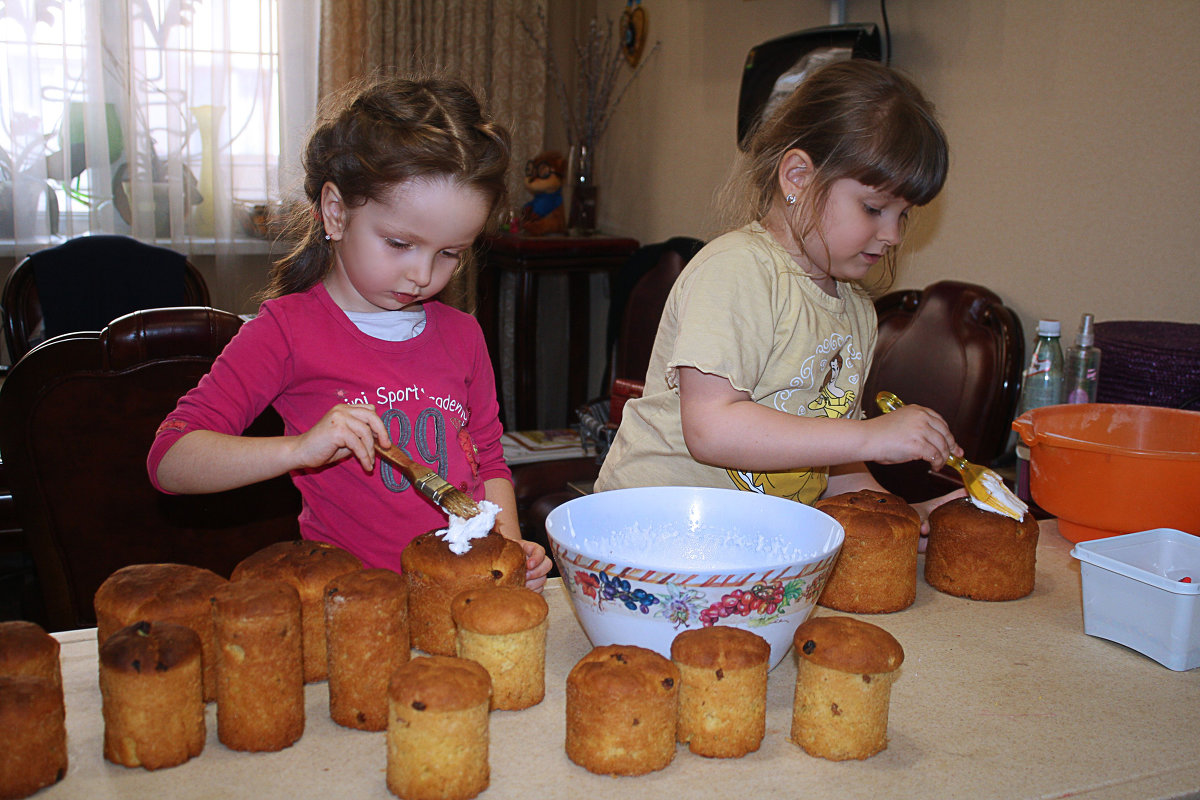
x=994, y=700
x=529, y=259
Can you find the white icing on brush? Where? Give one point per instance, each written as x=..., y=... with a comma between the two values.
x=462, y=531
x=1002, y=497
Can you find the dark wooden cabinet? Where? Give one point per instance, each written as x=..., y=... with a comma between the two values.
x=530, y=259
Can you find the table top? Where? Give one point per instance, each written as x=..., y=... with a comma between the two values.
x=1003, y=700
x=556, y=246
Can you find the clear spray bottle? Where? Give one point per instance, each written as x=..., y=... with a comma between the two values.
x=1083, y=365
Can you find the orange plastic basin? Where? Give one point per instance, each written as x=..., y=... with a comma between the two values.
x=1105, y=469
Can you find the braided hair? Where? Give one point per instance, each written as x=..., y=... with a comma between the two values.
x=376, y=135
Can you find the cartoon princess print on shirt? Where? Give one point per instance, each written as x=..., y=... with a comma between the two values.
x=803, y=485
x=831, y=398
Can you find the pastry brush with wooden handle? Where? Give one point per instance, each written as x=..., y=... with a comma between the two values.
x=450, y=498
x=982, y=484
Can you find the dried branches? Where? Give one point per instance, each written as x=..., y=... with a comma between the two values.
x=587, y=113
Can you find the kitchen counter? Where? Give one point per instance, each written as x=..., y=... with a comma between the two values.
x=994, y=700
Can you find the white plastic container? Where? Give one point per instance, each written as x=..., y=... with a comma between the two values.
x=1134, y=593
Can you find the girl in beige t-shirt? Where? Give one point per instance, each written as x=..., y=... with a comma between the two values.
x=765, y=342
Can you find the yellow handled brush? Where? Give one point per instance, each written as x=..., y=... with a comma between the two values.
x=982, y=483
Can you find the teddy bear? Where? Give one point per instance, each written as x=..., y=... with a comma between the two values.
x=544, y=179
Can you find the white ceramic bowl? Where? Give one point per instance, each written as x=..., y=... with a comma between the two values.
x=641, y=565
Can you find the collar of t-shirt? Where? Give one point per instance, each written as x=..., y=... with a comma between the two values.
x=390, y=326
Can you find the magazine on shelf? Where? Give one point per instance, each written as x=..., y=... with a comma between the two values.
x=542, y=445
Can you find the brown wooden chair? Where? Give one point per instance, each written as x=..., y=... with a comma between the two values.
x=77, y=416
x=86, y=282
x=956, y=348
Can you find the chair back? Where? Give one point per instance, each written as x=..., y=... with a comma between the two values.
x=956, y=348
x=83, y=284
x=77, y=418
x=639, y=296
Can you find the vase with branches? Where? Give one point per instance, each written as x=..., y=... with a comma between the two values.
x=586, y=112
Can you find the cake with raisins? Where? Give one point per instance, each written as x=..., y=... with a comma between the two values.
x=504, y=629
x=723, y=690
x=434, y=575
x=980, y=554
x=309, y=566
x=366, y=629
x=622, y=707
x=437, y=733
x=844, y=676
x=876, y=570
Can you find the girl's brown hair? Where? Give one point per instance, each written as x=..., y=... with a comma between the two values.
x=378, y=134
x=855, y=119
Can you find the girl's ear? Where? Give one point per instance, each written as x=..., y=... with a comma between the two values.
x=795, y=168
x=333, y=211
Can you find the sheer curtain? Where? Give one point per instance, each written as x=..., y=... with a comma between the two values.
x=166, y=120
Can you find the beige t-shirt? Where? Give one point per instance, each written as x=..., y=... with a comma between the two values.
x=744, y=310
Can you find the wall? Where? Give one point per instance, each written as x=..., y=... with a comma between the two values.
x=1074, y=130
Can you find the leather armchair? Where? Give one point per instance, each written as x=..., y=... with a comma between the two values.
x=956, y=348
x=77, y=417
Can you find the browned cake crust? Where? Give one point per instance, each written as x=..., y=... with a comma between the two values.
x=723, y=690
x=260, y=668
x=844, y=677
x=504, y=629
x=435, y=575
x=33, y=735
x=497, y=610
x=980, y=555
x=876, y=571
x=366, y=626
x=152, y=696
x=437, y=733
x=177, y=593
x=308, y=566
x=26, y=649
x=622, y=705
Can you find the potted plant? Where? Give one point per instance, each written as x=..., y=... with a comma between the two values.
x=23, y=182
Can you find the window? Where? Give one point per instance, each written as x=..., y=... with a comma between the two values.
x=156, y=118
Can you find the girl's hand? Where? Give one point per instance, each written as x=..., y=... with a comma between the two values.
x=536, y=564
x=911, y=433
x=345, y=431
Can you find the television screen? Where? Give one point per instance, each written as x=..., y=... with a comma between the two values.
x=773, y=69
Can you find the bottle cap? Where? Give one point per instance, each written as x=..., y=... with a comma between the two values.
x=1049, y=327
x=1086, y=336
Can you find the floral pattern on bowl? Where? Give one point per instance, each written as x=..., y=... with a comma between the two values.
x=693, y=601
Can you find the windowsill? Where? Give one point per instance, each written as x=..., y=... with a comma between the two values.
x=189, y=245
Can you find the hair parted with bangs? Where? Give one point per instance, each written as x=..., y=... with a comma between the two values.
x=376, y=135
x=855, y=119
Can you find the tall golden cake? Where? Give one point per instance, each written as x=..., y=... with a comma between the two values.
x=260, y=665
x=309, y=567
x=437, y=733
x=503, y=628
x=366, y=629
x=434, y=575
x=844, y=677
x=177, y=593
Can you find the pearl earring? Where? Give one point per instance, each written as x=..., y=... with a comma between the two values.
x=790, y=199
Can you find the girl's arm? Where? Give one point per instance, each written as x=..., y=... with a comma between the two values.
x=722, y=426
x=204, y=461
x=537, y=564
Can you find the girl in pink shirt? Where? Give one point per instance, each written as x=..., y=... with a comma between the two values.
x=352, y=347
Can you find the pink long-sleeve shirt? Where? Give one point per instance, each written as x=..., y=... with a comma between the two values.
x=436, y=392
